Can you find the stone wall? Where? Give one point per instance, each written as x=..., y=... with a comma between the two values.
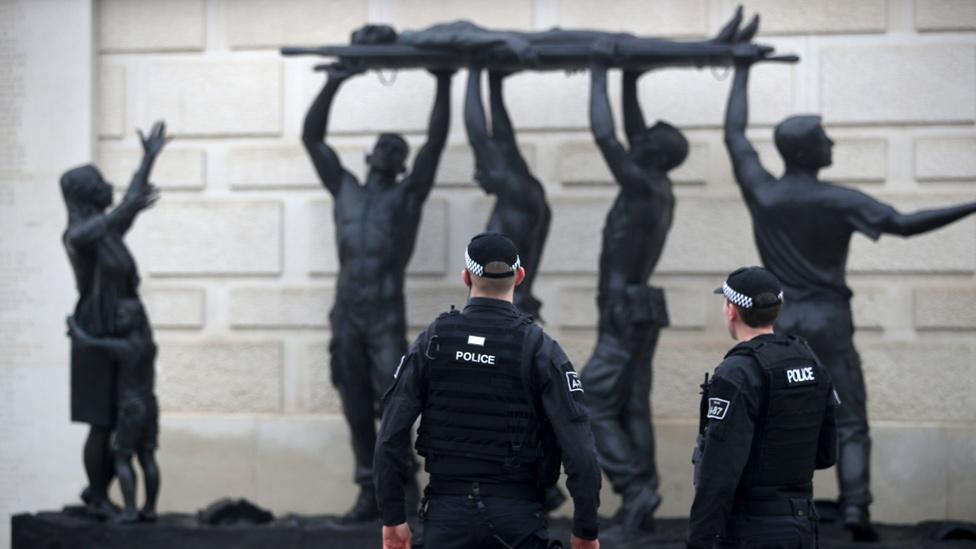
x=239, y=263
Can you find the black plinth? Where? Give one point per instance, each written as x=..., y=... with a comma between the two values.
x=68, y=530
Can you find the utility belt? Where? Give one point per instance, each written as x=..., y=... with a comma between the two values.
x=511, y=490
x=793, y=507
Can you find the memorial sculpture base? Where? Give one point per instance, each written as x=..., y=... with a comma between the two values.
x=71, y=529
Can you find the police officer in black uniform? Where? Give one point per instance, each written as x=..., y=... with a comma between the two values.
x=500, y=407
x=767, y=421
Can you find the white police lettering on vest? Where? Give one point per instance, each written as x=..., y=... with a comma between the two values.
x=477, y=358
x=799, y=375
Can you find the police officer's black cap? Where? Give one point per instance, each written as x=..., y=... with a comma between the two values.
x=743, y=286
x=490, y=248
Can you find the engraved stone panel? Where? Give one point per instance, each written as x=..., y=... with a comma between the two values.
x=220, y=376
x=661, y=18
x=111, y=101
x=131, y=25
x=923, y=84
x=945, y=15
x=174, y=307
x=322, y=396
x=261, y=24
x=231, y=237
x=817, y=16
x=216, y=97
x=419, y=14
x=176, y=168
x=946, y=308
x=291, y=307
x=280, y=167
x=945, y=159
x=934, y=374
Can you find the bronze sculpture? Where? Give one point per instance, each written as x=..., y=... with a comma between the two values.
x=521, y=212
x=137, y=426
x=376, y=229
x=105, y=273
x=802, y=227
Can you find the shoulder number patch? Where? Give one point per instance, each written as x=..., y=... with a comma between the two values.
x=717, y=408
x=573, y=382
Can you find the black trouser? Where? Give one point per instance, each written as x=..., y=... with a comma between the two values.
x=367, y=343
x=829, y=328
x=460, y=522
x=617, y=380
x=787, y=531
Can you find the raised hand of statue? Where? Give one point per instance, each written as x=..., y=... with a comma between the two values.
x=728, y=33
x=747, y=53
x=339, y=71
x=157, y=139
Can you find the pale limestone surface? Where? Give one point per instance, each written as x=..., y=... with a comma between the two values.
x=945, y=15
x=179, y=169
x=821, y=17
x=945, y=159
x=131, y=25
x=175, y=308
x=903, y=83
x=238, y=258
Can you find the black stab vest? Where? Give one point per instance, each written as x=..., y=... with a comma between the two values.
x=477, y=417
x=784, y=448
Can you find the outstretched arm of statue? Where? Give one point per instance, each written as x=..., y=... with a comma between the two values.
x=926, y=220
x=421, y=179
x=749, y=172
x=113, y=345
x=324, y=158
x=141, y=194
x=634, y=123
x=488, y=159
x=501, y=125
x=625, y=171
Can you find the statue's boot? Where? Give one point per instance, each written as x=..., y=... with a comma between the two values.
x=101, y=508
x=857, y=521
x=365, y=508
x=554, y=498
x=128, y=516
x=637, y=509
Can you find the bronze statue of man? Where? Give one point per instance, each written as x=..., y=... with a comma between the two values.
x=376, y=228
x=802, y=227
x=631, y=313
x=521, y=212
x=105, y=274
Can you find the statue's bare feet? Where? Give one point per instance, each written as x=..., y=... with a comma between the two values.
x=148, y=515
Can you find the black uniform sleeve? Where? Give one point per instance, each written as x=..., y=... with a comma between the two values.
x=827, y=441
x=562, y=402
x=402, y=403
x=732, y=412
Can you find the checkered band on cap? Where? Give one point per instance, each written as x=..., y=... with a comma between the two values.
x=478, y=269
x=741, y=300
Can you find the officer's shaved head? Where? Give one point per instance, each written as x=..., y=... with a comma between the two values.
x=494, y=286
